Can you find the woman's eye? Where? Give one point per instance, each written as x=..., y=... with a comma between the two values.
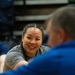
x=37, y=39
x=29, y=37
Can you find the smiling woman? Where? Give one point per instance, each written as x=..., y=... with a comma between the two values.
x=30, y=47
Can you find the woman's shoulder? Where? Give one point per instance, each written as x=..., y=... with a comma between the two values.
x=15, y=48
x=15, y=51
x=44, y=48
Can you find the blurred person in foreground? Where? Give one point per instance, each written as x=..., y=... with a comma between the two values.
x=60, y=59
x=31, y=46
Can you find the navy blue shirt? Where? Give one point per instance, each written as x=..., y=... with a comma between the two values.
x=3, y=48
x=60, y=60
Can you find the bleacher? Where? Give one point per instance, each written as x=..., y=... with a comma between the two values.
x=29, y=11
x=33, y=11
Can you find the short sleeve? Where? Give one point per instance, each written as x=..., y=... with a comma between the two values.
x=13, y=58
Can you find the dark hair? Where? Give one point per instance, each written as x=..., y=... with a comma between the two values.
x=32, y=25
x=65, y=18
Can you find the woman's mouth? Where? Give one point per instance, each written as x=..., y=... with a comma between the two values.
x=31, y=47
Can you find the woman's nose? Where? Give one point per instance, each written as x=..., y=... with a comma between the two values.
x=33, y=41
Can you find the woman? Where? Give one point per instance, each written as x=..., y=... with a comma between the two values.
x=30, y=47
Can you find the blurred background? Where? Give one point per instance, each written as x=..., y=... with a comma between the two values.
x=15, y=14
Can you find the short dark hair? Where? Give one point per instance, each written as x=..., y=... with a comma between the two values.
x=64, y=17
x=33, y=25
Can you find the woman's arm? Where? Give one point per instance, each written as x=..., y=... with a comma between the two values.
x=20, y=63
x=2, y=59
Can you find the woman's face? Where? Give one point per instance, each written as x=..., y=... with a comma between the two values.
x=32, y=40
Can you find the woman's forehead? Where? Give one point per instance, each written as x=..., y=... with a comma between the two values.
x=33, y=29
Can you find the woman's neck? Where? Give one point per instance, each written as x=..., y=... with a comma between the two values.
x=31, y=55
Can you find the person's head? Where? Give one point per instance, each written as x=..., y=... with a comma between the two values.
x=61, y=26
x=32, y=38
